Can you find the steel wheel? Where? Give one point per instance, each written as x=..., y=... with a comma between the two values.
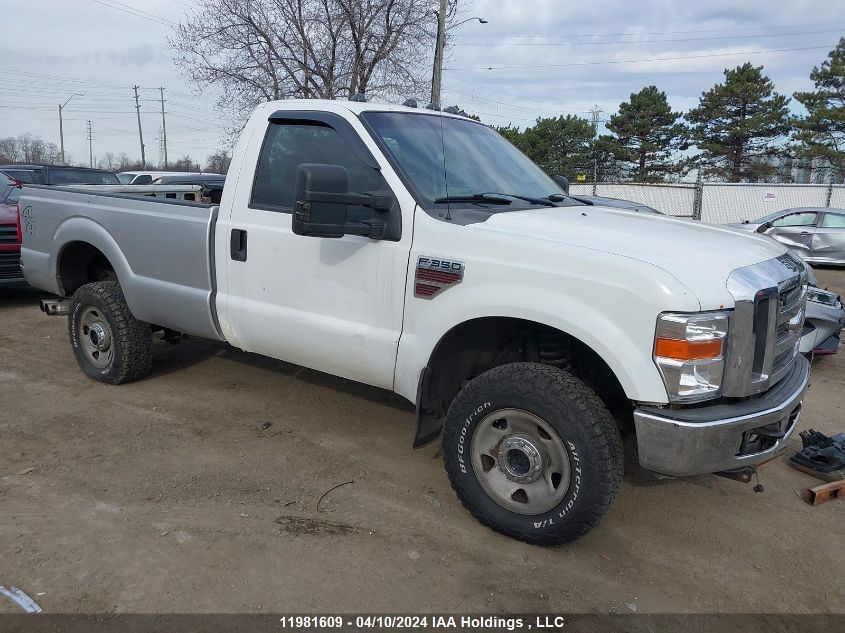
x=520, y=461
x=96, y=338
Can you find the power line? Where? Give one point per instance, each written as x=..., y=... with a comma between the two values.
x=114, y=4
x=683, y=39
x=640, y=61
x=717, y=30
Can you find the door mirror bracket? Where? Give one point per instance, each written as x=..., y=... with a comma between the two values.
x=323, y=204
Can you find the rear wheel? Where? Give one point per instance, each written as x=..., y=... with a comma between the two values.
x=109, y=343
x=533, y=453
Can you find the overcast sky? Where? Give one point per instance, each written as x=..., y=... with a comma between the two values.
x=533, y=58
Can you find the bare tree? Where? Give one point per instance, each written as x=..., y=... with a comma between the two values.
x=27, y=148
x=259, y=50
x=218, y=163
x=186, y=163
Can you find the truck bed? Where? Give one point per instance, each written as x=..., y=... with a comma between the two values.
x=160, y=249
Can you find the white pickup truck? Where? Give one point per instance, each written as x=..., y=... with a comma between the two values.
x=419, y=252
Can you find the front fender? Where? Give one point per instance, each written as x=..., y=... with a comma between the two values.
x=614, y=315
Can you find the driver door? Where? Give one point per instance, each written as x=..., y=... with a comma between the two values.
x=334, y=305
x=794, y=230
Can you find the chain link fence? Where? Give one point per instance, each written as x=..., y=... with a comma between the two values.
x=719, y=203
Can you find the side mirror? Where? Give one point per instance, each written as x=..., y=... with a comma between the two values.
x=764, y=227
x=321, y=206
x=562, y=182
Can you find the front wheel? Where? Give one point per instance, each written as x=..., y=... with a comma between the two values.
x=533, y=453
x=109, y=343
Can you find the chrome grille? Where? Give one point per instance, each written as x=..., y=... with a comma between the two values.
x=766, y=324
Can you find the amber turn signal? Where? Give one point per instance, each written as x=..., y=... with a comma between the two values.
x=687, y=350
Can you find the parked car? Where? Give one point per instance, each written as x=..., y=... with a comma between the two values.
x=146, y=177
x=10, y=232
x=824, y=321
x=420, y=252
x=59, y=175
x=817, y=234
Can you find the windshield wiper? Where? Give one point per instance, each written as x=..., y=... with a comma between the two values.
x=546, y=202
x=495, y=197
x=478, y=198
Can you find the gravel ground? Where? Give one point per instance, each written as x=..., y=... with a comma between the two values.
x=197, y=490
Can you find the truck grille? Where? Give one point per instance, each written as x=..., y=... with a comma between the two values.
x=8, y=234
x=10, y=266
x=766, y=324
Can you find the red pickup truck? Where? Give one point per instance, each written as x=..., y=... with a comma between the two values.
x=10, y=232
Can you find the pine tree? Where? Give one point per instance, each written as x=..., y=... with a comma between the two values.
x=559, y=145
x=740, y=125
x=822, y=132
x=646, y=135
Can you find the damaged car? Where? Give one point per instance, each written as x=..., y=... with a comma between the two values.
x=817, y=234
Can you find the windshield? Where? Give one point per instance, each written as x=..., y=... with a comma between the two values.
x=464, y=159
x=82, y=177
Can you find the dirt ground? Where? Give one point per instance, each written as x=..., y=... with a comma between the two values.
x=198, y=490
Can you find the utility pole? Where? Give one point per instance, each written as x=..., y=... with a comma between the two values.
x=90, y=145
x=61, y=128
x=163, y=127
x=140, y=133
x=595, y=116
x=437, y=71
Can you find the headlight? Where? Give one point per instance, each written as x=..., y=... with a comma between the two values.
x=822, y=296
x=689, y=351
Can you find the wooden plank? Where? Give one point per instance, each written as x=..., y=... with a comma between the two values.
x=824, y=493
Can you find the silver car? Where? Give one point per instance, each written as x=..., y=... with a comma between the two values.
x=815, y=233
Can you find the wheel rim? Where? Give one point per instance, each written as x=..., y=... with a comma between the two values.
x=520, y=461
x=95, y=335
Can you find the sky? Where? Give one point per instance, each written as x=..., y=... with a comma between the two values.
x=533, y=58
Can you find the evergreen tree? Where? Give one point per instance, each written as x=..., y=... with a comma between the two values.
x=646, y=136
x=559, y=145
x=822, y=132
x=740, y=125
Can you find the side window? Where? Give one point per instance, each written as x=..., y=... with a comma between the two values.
x=833, y=221
x=289, y=144
x=796, y=219
x=143, y=180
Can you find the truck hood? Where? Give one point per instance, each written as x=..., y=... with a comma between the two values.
x=700, y=256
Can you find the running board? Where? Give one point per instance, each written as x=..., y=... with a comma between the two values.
x=55, y=307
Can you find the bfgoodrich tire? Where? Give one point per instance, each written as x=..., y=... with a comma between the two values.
x=532, y=453
x=109, y=343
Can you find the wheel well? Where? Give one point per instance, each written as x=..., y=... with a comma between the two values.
x=473, y=347
x=81, y=263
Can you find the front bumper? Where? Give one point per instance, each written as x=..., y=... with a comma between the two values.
x=721, y=437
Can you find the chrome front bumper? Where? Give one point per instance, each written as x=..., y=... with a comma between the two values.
x=721, y=437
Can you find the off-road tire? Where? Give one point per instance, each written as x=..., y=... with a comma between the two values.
x=582, y=421
x=130, y=338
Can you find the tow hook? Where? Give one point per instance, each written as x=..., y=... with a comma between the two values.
x=55, y=307
x=744, y=475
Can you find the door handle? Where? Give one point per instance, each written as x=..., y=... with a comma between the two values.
x=805, y=233
x=237, y=245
